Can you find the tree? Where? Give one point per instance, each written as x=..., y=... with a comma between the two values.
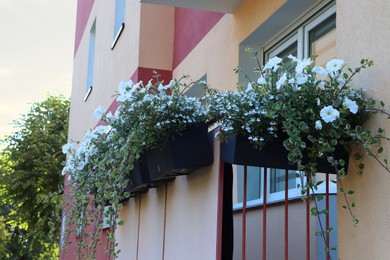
x=30, y=177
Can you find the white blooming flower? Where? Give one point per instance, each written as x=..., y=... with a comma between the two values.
x=301, y=79
x=261, y=80
x=334, y=65
x=281, y=81
x=329, y=114
x=249, y=87
x=69, y=147
x=291, y=57
x=318, y=125
x=301, y=65
x=273, y=64
x=99, y=112
x=320, y=71
x=352, y=105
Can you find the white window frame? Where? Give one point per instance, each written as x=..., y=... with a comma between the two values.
x=275, y=197
x=306, y=29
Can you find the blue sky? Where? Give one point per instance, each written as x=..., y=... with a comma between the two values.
x=36, y=53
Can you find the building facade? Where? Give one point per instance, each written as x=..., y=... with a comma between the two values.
x=186, y=219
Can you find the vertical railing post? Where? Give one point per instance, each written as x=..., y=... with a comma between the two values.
x=307, y=221
x=286, y=215
x=265, y=215
x=327, y=216
x=243, y=254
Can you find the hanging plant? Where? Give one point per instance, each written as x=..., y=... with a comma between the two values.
x=98, y=167
x=307, y=111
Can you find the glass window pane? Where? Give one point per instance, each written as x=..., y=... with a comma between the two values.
x=277, y=180
x=322, y=41
x=292, y=49
x=253, y=183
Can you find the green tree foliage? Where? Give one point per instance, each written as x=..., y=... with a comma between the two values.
x=30, y=177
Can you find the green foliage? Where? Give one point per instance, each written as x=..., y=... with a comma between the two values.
x=98, y=165
x=30, y=177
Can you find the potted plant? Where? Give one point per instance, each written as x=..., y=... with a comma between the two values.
x=156, y=133
x=296, y=116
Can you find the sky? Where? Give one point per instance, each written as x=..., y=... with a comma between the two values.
x=36, y=54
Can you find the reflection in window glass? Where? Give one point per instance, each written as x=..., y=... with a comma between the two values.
x=292, y=49
x=322, y=41
x=253, y=183
x=277, y=180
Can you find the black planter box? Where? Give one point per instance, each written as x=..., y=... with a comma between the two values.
x=238, y=150
x=183, y=153
x=139, y=179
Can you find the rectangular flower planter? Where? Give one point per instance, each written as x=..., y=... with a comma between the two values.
x=238, y=150
x=183, y=153
x=139, y=179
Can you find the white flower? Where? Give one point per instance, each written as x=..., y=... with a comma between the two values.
x=249, y=87
x=301, y=65
x=281, y=81
x=352, y=105
x=273, y=64
x=301, y=79
x=318, y=125
x=334, y=65
x=261, y=80
x=99, y=112
x=69, y=147
x=329, y=114
x=320, y=71
x=291, y=57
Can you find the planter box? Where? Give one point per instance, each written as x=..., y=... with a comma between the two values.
x=183, y=153
x=140, y=180
x=238, y=150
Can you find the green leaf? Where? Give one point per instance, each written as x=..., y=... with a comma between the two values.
x=351, y=192
x=379, y=150
x=120, y=223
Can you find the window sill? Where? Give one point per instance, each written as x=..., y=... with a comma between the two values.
x=117, y=36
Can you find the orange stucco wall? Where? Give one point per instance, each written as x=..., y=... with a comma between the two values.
x=363, y=32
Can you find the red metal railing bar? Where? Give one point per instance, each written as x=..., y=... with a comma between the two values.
x=307, y=223
x=265, y=215
x=327, y=215
x=139, y=225
x=286, y=215
x=243, y=253
x=220, y=210
x=165, y=221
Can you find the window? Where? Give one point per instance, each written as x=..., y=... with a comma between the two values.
x=91, y=60
x=255, y=185
x=119, y=22
x=315, y=36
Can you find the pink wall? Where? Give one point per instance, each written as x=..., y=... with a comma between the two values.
x=190, y=28
x=83, y=10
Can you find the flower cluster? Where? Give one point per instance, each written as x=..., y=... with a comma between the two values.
x=147, y=116
x=313, y=105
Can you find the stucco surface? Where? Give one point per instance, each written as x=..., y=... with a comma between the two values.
x=363, y=31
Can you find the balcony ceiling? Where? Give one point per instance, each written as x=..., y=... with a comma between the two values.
x=220, y=6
